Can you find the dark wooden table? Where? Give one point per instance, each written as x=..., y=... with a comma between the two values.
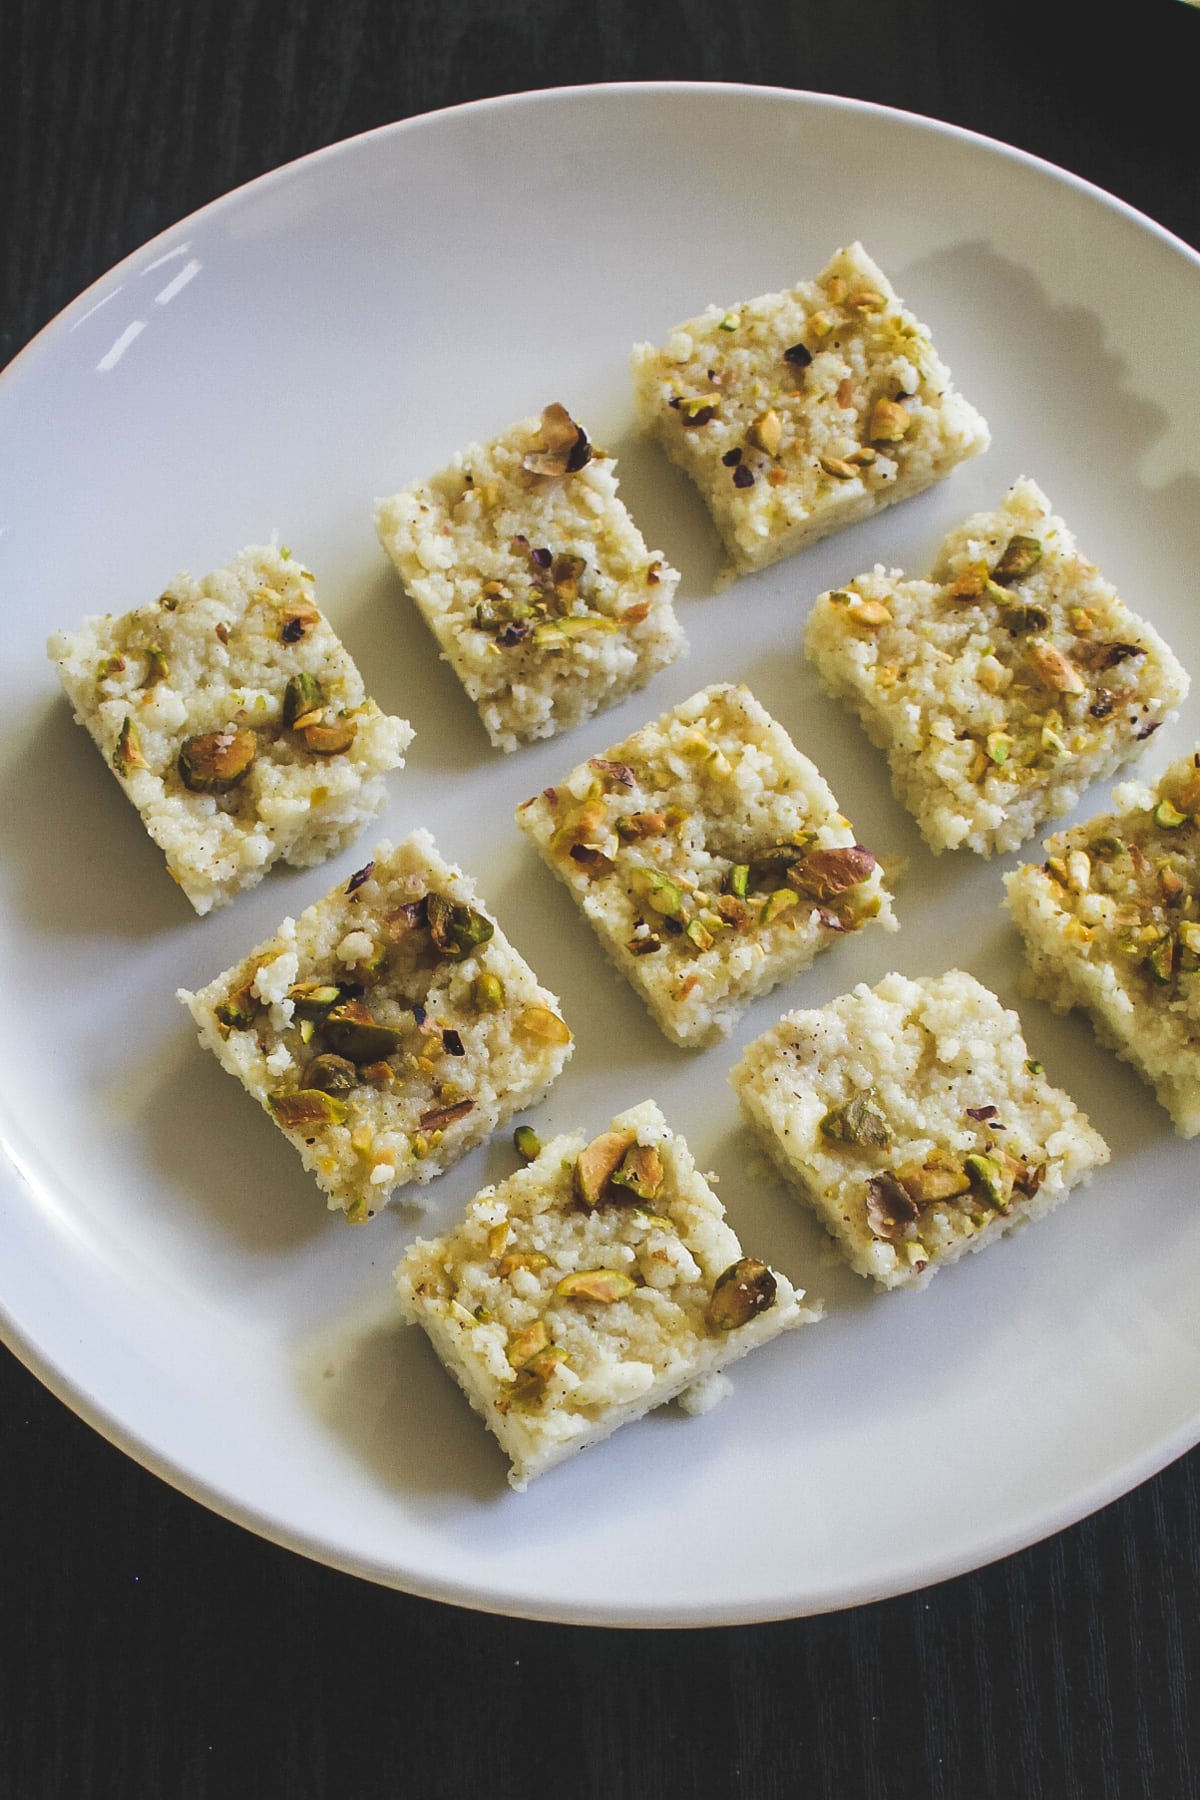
x=150, y=1648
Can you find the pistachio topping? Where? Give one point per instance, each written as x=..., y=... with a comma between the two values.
x=331, y=1074
x=640, y=1171
x=541, y=1023
x=824, y=873
x=889, y=421
x=1054, y=669
x=742, y=1291
x=526, y=1143
x=941, y=1176
x=306, y=1109
x=487, y=992
x=302, y=696
x=156, y=665
x=598, y=1162
x=1168, y=816
x=1021, y=555
x=602, y=1285
x=216, y=761
x=438, y=1117
x=986, y=1178
x=128, y=753
x=457, y=929
x=565, y=450
x=356, y=1034
x=328, y=739
x=890, y=1210
x=312, y=999
x=858, y=1121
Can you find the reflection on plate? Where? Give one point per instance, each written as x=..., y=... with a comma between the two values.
x=273, y=364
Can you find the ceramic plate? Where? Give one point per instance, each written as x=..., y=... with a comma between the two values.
x=271, y=366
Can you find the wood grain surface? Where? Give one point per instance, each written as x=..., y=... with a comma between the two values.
x=150, y=1648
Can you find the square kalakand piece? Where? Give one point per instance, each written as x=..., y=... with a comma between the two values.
x=710, y=858
x=533, y=578
x=389, y=1029
x=235, y=721
x=799, y=413
x=591, y=1286
x=1111, y=922
x=913, y=1121
x=1003, y=685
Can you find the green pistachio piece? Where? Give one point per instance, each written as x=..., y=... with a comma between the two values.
x=456, y=929
x=526, y=1142
x=312, y=999
x=698, y=934
x=128, y=753
x=156, y=665
x=858, y=1121
x=1021, y=556
x=1169, y=817
x=998, y=746
x=331, y=1074
x=986, y=1178
x=641, y=1171
x=302, y=695
x=598, y=1162
x=216, y=761
x=603, y=1285
x=738, y=880
x=740, y=1293
x=353, y=1033
x=487, y=991
x=890, y=1209
x=1161, y=960
x=941, y=1176
x=661, y=894
x=776, y=904
x=306, y=1109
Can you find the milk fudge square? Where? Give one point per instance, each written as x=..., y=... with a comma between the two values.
x=235, y=721
x=1005, y=684
x=801, y=412
x=710, y=858
x=389, y=1029
x=592, y=1285
x=1111, y=923
x=533, y=578
x=914, y=1122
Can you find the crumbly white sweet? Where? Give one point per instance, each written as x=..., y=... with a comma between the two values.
x=1111, y=923
x=1002, y=686
x=389, y=1029
x=533, y=578
x=912, y=1119
x=801, y=412
x=563, y=1317
x=710, y=858
x=235, y=721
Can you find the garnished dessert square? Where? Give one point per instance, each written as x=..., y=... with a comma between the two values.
x=801, y=412
x=914, y=1122
x=235, y=721
x=1004, y=684
x=389, y=1029
x=596, y=1283
x=710, y=858
x=1111, y=922
x=533, y=578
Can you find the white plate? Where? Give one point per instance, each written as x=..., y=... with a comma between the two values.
x=274, y=363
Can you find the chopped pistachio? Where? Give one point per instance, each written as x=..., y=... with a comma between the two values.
x=216, y=761
x=156, y=665
x=870, y=612
x=603, y=1285
x=742, y=1291
x=739, y=879
x=999, y=745
x=332, y=1074
x=1161, y=960
x=1020, y=557
x=566, y=447
x=457, y=929
x=838, y=467
x=533, y=1260
x=329, y=739
x=438, y=1117
x=306, y=1109
x=986, y=1178
x=526, y=1142
x=889, y=421
x=598, y=1162
x=528, y=1342
x=728, y=323
x=767, y=432
x=1169, y=817
x=940, y=1177
x=1034, y=1066
x=776, y=904
x=661, y=894
x=128, y=753
x=858, y=1121
x=301, y=696
x=312, y=999
x=825, y=872
x=354, y=1033
x=1054, y=669
x=890, y=1210
x=698, y=934
x=641, y=1171
x=487, y=992
x=540, y=1022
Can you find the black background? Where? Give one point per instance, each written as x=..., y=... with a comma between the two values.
x=148, y=1648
